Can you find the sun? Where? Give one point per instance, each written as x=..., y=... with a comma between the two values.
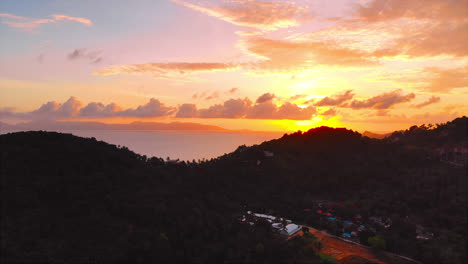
x=305, y=125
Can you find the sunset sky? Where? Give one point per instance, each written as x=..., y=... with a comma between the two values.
x=377, y=65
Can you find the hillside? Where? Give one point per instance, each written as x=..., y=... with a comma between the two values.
x=374, y=135
x=70, y=198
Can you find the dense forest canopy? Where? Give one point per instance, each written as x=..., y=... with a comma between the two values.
x=66, y=198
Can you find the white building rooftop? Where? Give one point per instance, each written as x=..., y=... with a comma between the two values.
x=290, y=230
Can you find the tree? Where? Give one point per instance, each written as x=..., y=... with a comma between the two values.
x=377, y=242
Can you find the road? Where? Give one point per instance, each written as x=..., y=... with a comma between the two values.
x=340, y=249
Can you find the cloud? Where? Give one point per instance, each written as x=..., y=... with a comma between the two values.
x=214, y=111
x=40, y=58
x=91, y=56
x=445, y=80
x=329, y=112
x=213, y=95
x=82, y=20
x=274, y=56
x=432, y=100
x=436, y=38
x=232, y=90
x=99, y=110
x=297, y=96
x=187, y=111
x=336, y=99
x=268, y=110
x=383, y=101
x=51, y=111
x=294, y=112
x=265, y=110
x=72, y=108
x=12, y=16
x=161, y=69
x=236, y=108
x=383, y=10
x=154, y=108
x=435, y=27
x=266, y=97
x=287, y=56
x=243, y=108
x=31, y=25
x=432, y=79
x=265, y=16
x=232, y=108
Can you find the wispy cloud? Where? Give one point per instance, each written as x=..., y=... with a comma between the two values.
x=265, y=16
x=336, y=99
x=445, y=80
x=12, y=16
x=431, y=100
x=267, y=97
x=232, y=90
x=163, y=69
x=282, y=55
x=82, y=20
x=329, y=112
x=92, y=56
x=382, y=101
x=31, y=25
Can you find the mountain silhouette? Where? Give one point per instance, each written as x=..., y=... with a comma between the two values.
x=72, y=199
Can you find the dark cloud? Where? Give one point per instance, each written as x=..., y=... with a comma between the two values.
x=99, y=110
x=154, y=108
x=294, y=112
x=232, y=108
x=297, y=96
x=236, y=108
x=214, y=111
x=213, y=95
x=383, y=101
x=265, y=110
x=336, y=99
x=266, y=97
x=432, y=100
x=40, y=58
x=91, y=56
x=49, y=111
x=187, y=111
x=72, y=108
x=233, y=90
x=329, y=112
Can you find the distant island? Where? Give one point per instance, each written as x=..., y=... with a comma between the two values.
x=134, y=126
x=399, y=199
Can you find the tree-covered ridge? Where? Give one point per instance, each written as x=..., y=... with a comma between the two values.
x=66, y=198
x=70, y=199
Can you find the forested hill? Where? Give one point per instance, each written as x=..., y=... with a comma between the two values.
x=71, y=199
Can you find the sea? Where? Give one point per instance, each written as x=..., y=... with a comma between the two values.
x=183, y=145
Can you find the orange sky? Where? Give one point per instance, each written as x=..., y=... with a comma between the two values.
x=378, y=65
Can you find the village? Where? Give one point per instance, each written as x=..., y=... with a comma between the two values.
x=335, y=235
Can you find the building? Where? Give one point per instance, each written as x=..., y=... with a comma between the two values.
x=290, y=229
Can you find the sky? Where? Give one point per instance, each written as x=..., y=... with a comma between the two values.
x=377, y=65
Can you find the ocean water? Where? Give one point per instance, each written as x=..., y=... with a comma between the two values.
x=184, y=145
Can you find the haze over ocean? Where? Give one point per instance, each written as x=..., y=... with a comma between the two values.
x=185, y=145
